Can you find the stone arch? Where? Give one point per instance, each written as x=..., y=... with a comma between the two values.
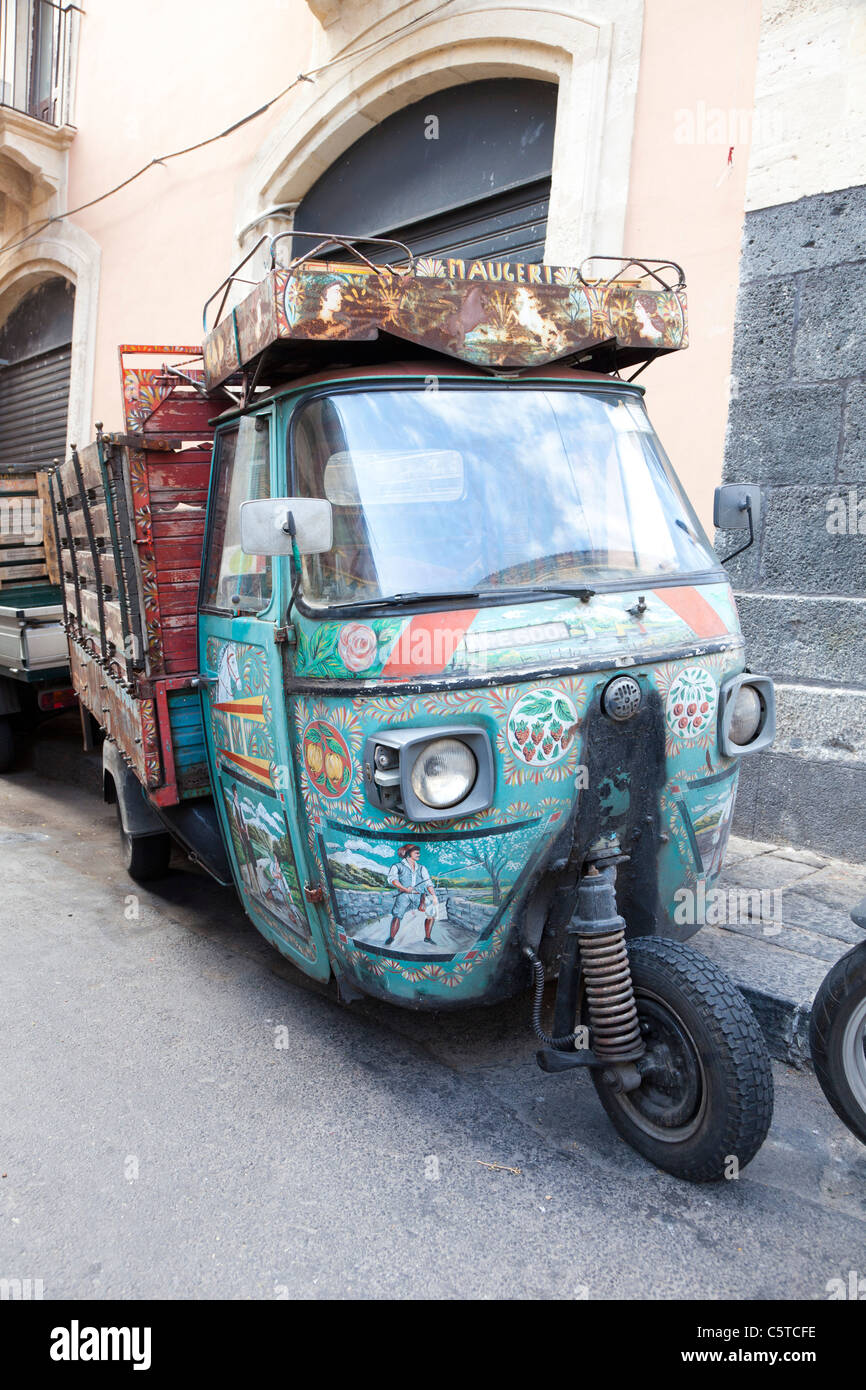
x=68, y=251
x=594, y=64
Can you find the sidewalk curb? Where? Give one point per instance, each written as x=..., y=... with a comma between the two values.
x=782, y=1012
x=785, y=1026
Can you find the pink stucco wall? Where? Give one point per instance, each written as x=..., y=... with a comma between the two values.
x=154, y=79
x=151, y=80
x=686, y=202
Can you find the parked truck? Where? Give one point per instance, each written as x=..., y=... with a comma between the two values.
x=34, y=662
x=397, y=618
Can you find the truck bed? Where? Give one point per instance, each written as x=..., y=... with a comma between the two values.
x=32, y=636
x=130, y=515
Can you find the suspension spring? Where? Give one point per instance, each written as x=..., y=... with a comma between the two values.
x=613, y=1020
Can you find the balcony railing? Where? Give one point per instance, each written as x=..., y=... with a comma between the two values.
x=36, y=40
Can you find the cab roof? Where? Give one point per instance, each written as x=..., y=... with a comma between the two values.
x=310, y=316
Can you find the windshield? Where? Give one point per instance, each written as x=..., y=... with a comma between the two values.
x=461, y=489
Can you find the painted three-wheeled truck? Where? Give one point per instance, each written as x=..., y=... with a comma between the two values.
x=396, y=616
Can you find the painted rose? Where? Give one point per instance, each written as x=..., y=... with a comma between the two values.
x=357, y=646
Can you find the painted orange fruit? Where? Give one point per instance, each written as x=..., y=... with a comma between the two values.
x=335, y=769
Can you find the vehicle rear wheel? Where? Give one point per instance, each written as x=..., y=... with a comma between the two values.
x=146, y=857
x=7, y=745
x=705, y=1101
x=837, y=1036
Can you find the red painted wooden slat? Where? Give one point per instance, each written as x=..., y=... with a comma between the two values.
x=178, y=475
x=171, y=554
x=176, y=413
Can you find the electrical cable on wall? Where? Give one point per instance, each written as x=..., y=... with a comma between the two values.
x=236, y=125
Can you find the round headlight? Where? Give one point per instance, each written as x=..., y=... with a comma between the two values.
x=444, y=773
x=746, y=715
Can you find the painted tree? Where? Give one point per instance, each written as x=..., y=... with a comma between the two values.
x=498, y=855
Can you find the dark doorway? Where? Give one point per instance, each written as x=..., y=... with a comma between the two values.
x=464, y=172
x=35, y=363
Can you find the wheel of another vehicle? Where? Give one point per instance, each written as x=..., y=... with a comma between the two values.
x=145, y=856
x=705, y=1101
x=7, y=745
x=837, y=1036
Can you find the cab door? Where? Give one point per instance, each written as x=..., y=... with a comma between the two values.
x=240, y=606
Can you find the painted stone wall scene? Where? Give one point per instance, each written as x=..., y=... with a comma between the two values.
x=429, y=898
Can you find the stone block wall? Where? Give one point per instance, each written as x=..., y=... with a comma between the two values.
x=797, y=426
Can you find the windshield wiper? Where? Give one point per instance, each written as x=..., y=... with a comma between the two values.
x=401, y=600
x=505, y=591
x=515, y=590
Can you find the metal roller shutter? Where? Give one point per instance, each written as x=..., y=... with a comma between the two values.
x=478, y=190
x=34, y=404
x=507, y=227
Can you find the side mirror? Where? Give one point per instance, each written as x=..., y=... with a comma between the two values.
x=737, y=507
x=732, y=504
x=265, y=527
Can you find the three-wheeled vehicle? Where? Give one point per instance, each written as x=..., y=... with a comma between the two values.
x=396, y=616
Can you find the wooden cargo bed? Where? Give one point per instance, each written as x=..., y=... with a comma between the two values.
x=130, y=516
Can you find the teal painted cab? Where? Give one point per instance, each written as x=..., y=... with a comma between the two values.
x=502, y=556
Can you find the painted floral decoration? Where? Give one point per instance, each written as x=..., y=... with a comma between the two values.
x=691, y=703
x=541, y=727
x=327, y=759
x=357, y=646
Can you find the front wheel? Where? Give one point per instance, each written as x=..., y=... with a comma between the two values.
x=837, y=1035
x=705, y=1100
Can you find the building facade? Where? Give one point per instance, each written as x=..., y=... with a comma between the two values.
x=526, y=131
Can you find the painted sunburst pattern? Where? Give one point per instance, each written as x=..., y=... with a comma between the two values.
x=328, y=759
x=690, y=696
x=551, y=713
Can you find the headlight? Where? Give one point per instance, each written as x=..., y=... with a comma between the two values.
x=444, y=773
x=746, y=715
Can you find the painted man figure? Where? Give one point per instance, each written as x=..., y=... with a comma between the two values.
x=414, y=888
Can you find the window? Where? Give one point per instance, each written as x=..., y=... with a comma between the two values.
x=235, y=582
x=468, y=489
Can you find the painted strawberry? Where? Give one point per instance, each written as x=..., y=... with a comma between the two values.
x=547, y=747
x=529, y=752
x=566, y=739
x=537, y=733
x=555, y=731
x=521, y=734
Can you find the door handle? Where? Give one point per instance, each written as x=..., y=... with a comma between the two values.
x=202, y=681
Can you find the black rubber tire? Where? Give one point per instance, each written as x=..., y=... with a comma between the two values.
x=843, y=992
x=146, y=857
x=7, y=745
x=732, y=1074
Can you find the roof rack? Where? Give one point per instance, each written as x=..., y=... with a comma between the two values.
x=610, y=313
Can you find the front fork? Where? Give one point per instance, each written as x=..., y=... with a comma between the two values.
x=596, y=956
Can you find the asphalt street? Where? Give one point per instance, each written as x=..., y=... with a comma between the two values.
x=182, y=1115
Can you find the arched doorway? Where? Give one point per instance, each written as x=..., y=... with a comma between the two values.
x=35, y=363
x=464, y=172
x=35, y=367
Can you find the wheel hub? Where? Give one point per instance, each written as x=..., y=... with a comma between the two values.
x=671, y=1093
